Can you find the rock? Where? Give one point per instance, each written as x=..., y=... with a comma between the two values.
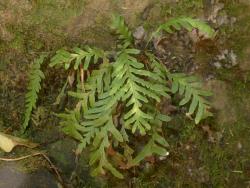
x=215, y=8
x=139, y=34
x=222, y=20
x=12, y=177
x=222, y=56
x=239, y=146
x=233, y=58
x=217, y=65
x=62, y=154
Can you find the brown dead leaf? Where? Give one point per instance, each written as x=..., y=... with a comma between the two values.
x=71, y=78
x=8, y=142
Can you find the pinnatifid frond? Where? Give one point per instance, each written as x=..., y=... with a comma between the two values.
x=187, y=23
x=100, y=118
x=34, y=86
x=78, y=57
x=124, y=34
x=158, y=68
x=156, y=145
x=130, y=76
x=190, y=88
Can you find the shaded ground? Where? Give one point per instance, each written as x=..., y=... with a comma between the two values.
x=11, y=176
x=213, y=154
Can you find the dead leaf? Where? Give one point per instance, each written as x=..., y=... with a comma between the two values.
x=8, y=142
x=71, y=78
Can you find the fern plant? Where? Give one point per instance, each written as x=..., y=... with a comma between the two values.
x=187, y=23
x=118, y=96
x=34, y=86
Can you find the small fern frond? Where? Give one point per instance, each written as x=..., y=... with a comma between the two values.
x=190, y=88
x=62, y=58
x=100, y=79
x=128, y=76
x=97, y=83
x=89, y=55
x=77, y=58
x=119, y=25
x=158, y=68
x=34, y=86
x=100, y=119
x=70, y=125
x=156, y=145
x=187, y=23
x=101, y=143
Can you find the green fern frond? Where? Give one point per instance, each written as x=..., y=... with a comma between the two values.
x=157, y=143
x=34, y=86
x=190, y=88
x=119, y=25
x=158, y=68
x=97, y=83
x=187, y=23
x=128, y=76
x=96, y=126
x=151, y=148
x=76, y=58
x=120, y=98
x=62, y=58
x=89, y=55
x=70, y=125
x=100, y=118
x=101, y=142
x=100, y=79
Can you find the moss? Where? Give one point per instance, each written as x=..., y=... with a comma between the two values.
x=238, y=35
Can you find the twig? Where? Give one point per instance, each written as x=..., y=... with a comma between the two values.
x=32, y=155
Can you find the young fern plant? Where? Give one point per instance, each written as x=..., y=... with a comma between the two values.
x=118, y=99
x=34, y=86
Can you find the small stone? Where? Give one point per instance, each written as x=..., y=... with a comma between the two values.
x=139, y=33
x=221, y=20
x=233, y=58
x=210, y=77
x=233, y=20
x=239, y=146
x=228, y=66
x=221, y=57
x=217, y=65
x=187, y=147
